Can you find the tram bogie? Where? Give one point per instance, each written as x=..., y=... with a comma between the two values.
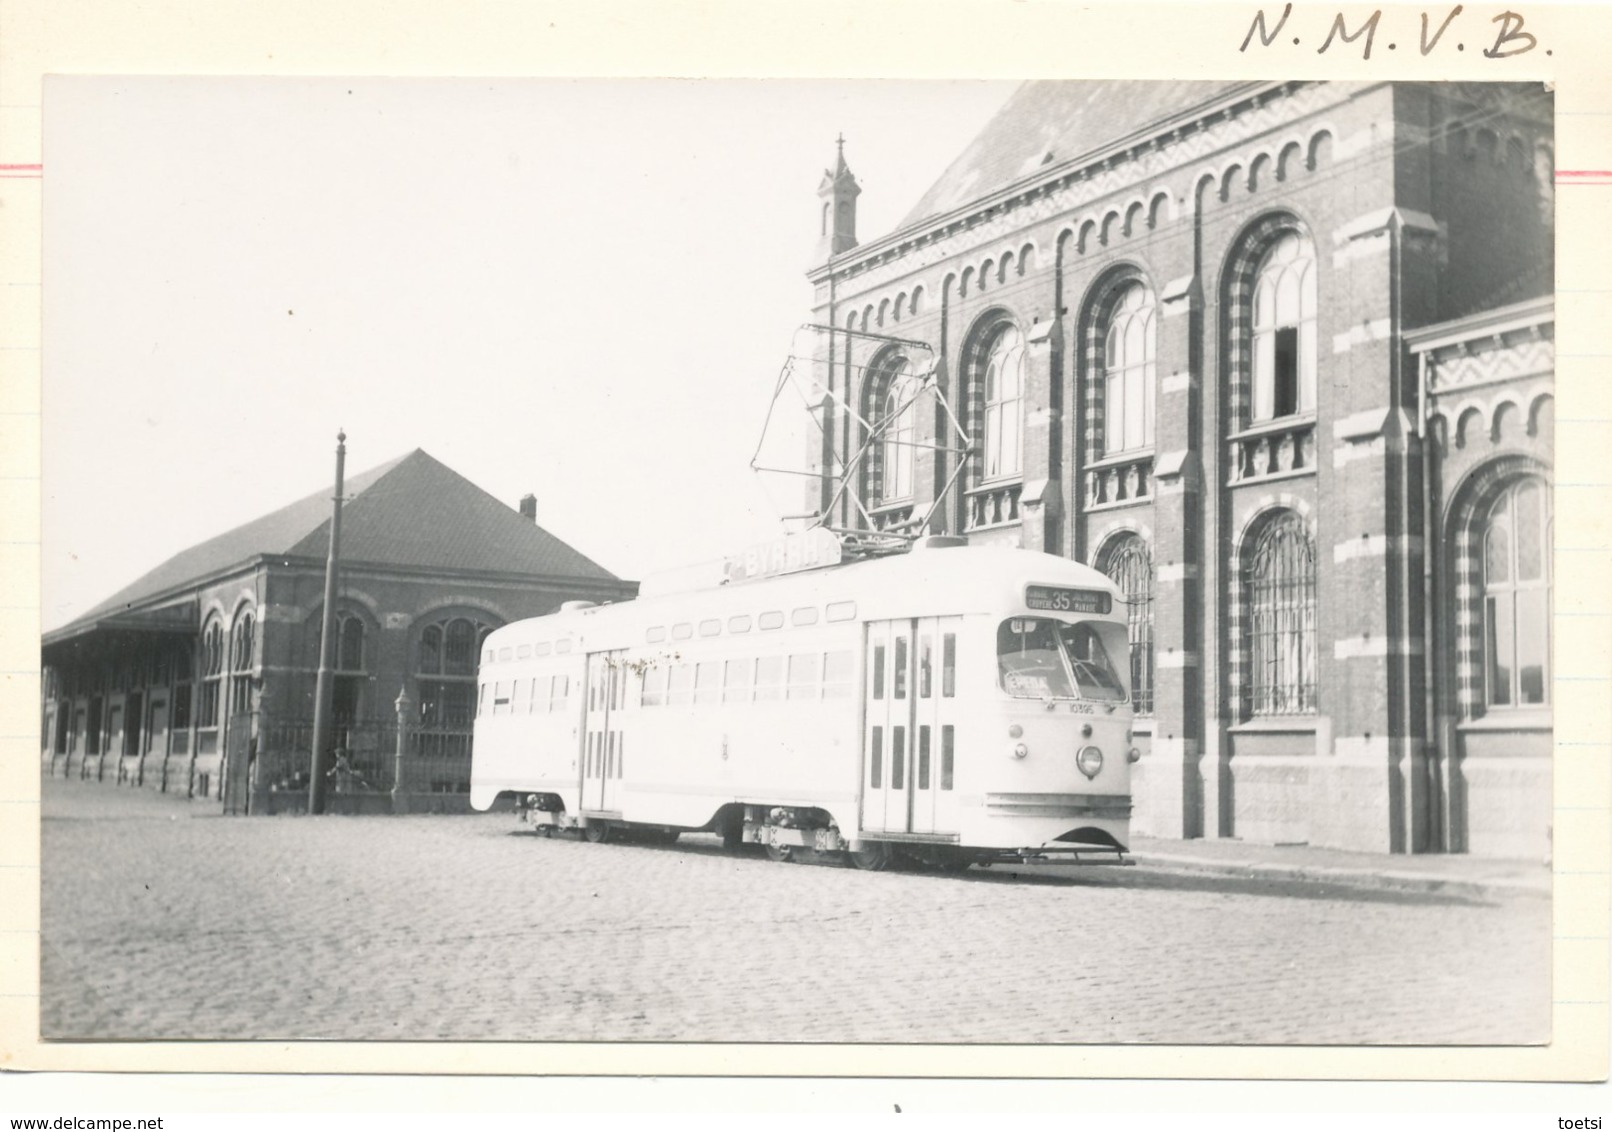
x=950, y=707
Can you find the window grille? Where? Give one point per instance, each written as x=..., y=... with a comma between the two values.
x=1280, y=595
x=1131, y=569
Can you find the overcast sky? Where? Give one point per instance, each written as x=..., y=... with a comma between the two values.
x=583, y=290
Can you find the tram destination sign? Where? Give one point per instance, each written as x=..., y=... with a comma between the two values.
x=1061, y=599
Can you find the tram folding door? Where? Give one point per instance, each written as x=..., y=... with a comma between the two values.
x=602, y=732
x=909, y=739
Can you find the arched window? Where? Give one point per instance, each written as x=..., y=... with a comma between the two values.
x=212, y=673
x=1129, y=383
x=898, y=415
x=241, y=641
x=1516, y=596
x=1284, y=349
x=1279, y=588
x=1127, y=562
x=347, y=688
x=445, y=673
x=1002, y=385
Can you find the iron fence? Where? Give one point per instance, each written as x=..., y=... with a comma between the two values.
x=362, y=758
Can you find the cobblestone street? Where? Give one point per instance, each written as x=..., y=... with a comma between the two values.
x=163, y=920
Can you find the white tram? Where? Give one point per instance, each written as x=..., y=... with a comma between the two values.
x=953, y=704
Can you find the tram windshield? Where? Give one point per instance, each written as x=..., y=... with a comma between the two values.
x=1042, y=659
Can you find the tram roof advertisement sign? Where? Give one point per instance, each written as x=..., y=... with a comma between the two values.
x=810, y=549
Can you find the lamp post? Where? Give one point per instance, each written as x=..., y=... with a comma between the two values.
x=400, y=793
x=321, y=692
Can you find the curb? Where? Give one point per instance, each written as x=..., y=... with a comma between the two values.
x=1389, y=880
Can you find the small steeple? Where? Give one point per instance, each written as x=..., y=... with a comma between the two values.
x=839, y=190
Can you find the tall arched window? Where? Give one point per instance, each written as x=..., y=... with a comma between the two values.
x=1002, y=385
x=212, y=674
x=346, y=699
x=1128, y=375
x=240, y=651
x=1127, y=562
x=1284, y=348
x=1516, y=596
x=898, y=413
x=1279, y=589
x=445, y=672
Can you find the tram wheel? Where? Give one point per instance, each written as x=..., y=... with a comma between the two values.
x=781, y=852
x=597, y=832
x=873, y=857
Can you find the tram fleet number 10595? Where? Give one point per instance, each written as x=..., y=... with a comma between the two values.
x=954, y=705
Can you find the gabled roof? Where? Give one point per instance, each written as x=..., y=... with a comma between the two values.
x=412, y=511
x=1051, y=122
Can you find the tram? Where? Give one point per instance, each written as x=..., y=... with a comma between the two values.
x=951, y=704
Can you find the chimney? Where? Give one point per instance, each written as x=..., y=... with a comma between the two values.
x=529, y=507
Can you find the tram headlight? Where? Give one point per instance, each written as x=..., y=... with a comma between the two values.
x=1014, y=731
x=1134, y=755
x=1020, y=750
x=1090, y=761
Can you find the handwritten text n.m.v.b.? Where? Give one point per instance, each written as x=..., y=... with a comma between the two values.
x=1501, y=37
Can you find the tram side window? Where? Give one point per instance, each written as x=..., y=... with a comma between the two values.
x=841, y=610
x=926, y=664
x=876, y=759
x=534, y=704
x=655, y=685
x=803, y=672
x=736, y=682
x=837, y=673
x=680, y=690
x=878, y=672
x=769, y=678
x=898, y=670
x=708, y=682
x=948, y=666
x=559, y=693
x=947, y=738
x=481, y=699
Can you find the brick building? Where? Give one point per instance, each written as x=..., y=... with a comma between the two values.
x=199, y=677
x=1278, y=357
